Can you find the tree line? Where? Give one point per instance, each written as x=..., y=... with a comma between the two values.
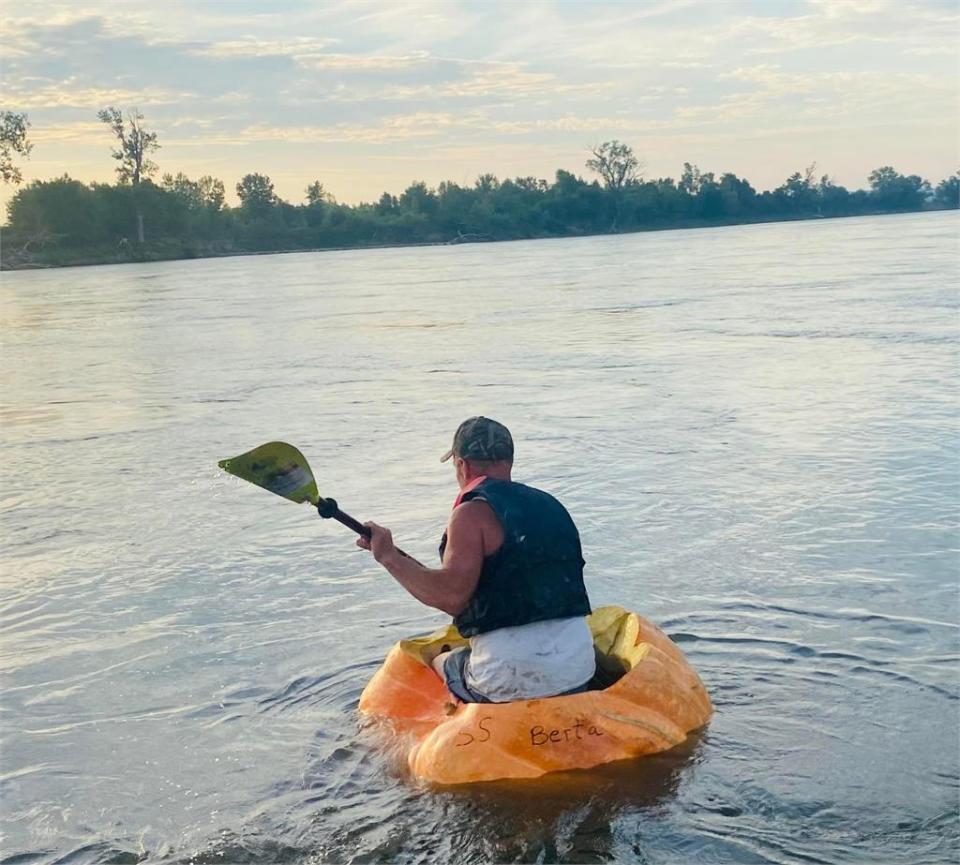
x=65, y=221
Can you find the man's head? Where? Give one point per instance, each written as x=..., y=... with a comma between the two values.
x=481, y=446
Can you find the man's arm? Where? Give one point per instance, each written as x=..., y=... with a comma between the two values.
x=450, y=586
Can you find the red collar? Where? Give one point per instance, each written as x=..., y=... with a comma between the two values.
x=468, y=488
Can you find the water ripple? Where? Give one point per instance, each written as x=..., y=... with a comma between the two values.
x=754, y=428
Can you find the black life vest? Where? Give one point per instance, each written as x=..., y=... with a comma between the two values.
x=537, y=574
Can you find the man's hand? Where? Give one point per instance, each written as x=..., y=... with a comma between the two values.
x=380, y=542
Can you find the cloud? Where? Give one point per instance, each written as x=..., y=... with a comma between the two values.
x=932, y=51
x=299, y=48
x=424, y=125
x=25, y=34
x=777, y=35
x=439, y=81
x=363, y=62
x=514, y=79
x=65, y=95
x=500, y=79
x=846, y=8
x=834, y=23
x=782, y=95
x=80, y=132
x=686, y=64
x=415, y=22
x=390, y=129
x=579, y=123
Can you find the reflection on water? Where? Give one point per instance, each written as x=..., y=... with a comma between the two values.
x=754, y=428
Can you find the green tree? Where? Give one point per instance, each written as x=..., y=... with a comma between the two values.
x=317, y=195
x=615, y=163
x=117, y=206
x=710, y=199
x=13, y=141
x=318, y=200
x=135, y=144
x=532, y=184
x=387, y=204
x=187, y=190
x=894, y=191
x=834, y=199
x=61, y=210
x=671, y=202
x=705, y=199
x=486, y=183
x=738, y=195
x=418, y=198
x=948, y=191
x=207, y=192
x=455, y=209
x=799, y=192
x=195, y=211
x=573, y=206
x=256, y=194
x=212, y=192
x=690, y=180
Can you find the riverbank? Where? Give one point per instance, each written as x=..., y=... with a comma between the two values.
x=47, y=257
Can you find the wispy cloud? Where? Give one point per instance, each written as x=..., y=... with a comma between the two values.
x=360, y=62
x=391, y=129
x=301, y=48
x=828, y=93
x=65, y=95
x=78, y=132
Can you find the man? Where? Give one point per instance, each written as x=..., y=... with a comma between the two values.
x=511, y=575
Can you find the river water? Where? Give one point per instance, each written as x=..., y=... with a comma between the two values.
x=754, y=427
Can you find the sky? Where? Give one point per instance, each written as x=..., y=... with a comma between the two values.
x=371, y=96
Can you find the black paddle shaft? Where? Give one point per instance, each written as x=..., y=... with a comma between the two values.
x=328, y=509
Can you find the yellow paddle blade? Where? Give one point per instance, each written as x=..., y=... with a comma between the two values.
x=277, y=467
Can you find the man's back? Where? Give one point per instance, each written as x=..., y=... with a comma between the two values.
x=525, y=620
x=537, y=572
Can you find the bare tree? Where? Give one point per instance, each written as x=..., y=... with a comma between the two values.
x=13, y=140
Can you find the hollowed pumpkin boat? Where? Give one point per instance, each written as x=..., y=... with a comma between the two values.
x=646, y=699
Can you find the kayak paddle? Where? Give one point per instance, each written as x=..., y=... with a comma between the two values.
x=283, y=470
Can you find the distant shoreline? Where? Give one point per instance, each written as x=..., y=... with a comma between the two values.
x=163, y=251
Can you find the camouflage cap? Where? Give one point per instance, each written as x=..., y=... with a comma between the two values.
x=480, y=438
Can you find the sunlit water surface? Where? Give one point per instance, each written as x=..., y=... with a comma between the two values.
x=753, y=426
